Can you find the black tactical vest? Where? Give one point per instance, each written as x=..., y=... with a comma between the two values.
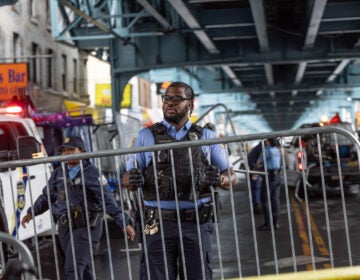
x=182, y=167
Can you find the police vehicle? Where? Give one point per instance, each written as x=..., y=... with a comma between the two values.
x=301, y=156
x=20, y=139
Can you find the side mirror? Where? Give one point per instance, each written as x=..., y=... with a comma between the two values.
x=27, y=146
x=287, y=145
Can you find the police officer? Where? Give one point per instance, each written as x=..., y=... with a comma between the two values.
x=73, y=177
x=178, y=103
x=273, y=162
x=255, y=179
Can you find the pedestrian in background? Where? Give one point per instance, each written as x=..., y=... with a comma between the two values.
x=178, y=103
x=273, y=163
x=74, y=145
x=255, y=179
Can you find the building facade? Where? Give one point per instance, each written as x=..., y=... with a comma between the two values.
x=57, y=71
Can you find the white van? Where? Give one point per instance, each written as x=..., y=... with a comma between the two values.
x=19, y=139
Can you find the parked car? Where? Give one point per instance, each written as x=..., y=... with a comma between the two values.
x=303, y=162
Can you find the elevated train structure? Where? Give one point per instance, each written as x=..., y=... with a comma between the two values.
x=282, y=62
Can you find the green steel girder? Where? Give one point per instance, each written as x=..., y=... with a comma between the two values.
x=288, y=49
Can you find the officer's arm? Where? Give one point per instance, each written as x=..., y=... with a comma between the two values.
x=126, y=181
x=226, y=180
x=41, y=204
x=111, y=206
x=114, y=210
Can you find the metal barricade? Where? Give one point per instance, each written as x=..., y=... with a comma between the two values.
x=21, y=266
x=315, y=232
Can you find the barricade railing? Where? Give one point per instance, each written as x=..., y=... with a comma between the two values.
x=21, y=267
x=314, y=233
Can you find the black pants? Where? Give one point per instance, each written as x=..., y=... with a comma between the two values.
x=82, y=251
x=274, y=190
x=173, y=252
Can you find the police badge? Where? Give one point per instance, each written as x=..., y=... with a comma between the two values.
x=193, y=136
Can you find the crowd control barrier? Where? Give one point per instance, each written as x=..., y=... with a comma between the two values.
x=319, y=219
x=20, y=267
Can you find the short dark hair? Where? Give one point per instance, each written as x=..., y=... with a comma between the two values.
x=188, y=90
x=274, y=142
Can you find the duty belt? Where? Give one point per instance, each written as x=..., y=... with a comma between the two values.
x=63, y=219
x=274, y=171
x=186, y=215
x=171, y=215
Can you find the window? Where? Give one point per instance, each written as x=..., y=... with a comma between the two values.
x=35, y=65
x=32, y=10
x=144, y=93
x=9, y=131
x=82, y=89
x=75, y=75
x=16, y=46
x=63, y=71
x=48, y=16
x=50, y=67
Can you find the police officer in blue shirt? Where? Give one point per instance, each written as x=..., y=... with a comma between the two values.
x=255, y=180
x=273, y=162
x=75, y=198
x=178, y=103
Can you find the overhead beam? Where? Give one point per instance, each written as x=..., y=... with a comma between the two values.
x=314, y=23
x=152, y=11
x=90, y=19
x=231, y=75
x=286, y=58
x=258, y=12
x=191, y=21
x=284, y=88
x=341, y=66
x=341, y=11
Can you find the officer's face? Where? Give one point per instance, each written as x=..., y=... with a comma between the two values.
x=69, y=151
x=176, y=112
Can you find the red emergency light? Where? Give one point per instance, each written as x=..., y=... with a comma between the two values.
x=335, y=119
x=300, y=156
x=11, y=110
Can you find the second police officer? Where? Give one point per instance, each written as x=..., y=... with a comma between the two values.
x=75, y=200
x=273, y=163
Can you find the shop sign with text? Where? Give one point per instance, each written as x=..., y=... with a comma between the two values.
x=13, y=80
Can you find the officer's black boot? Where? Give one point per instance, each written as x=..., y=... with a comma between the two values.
x=264, y=227
x=258, y=209
x=276, y=223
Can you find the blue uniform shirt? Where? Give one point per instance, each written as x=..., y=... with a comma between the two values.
x=273, y=157
x=217, y=157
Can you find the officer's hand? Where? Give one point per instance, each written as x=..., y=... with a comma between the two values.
x=136, y=178
x=130, y=232
x=26, y=219
x=210, y=177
